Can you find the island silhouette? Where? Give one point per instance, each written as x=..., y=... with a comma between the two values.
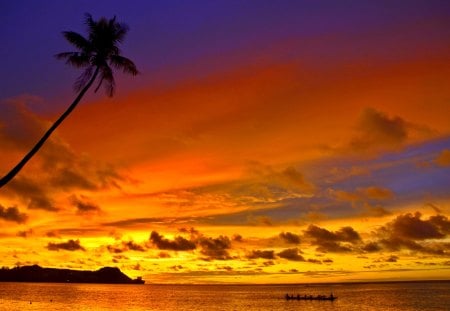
x=35, y=273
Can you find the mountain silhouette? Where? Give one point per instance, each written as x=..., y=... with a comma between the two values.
x=35, y=273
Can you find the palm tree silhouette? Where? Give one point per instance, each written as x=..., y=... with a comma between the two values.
x=97, y=53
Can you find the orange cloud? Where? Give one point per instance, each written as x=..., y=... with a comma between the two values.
x=444, y=158
x=378, y=130
x=377, y=193
x=362, y=194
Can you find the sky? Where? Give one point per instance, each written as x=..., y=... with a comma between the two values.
x=262, y=142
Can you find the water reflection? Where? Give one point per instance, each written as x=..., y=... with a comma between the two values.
x=364, y=297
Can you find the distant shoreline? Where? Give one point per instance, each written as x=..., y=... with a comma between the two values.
x=37, y=274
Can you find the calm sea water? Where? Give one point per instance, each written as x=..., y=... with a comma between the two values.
x=361, y=297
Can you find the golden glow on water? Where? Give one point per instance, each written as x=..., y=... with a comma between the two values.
x=365, y=297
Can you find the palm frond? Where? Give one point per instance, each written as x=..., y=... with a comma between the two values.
x=83, y=79
x=77, y=40
x=108, y=79
x=121, y=32
x=112, y=22
x=124, y=64
x=64, y=55
x=75, y=59
x=90, y=23
x=99, y=84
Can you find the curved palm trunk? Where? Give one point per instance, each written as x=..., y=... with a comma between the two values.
x=47, y=134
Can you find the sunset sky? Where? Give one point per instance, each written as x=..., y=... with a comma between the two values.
x=262, y=142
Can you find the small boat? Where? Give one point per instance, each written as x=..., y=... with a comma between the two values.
x=311, y=297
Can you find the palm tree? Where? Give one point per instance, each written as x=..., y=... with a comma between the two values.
x=98, y=54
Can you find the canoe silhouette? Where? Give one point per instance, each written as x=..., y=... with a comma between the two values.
x=311, y=297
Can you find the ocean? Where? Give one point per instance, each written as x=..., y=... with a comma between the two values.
x=361, y=297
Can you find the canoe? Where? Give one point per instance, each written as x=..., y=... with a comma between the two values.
x=309, y=297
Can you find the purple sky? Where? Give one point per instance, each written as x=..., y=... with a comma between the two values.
x=175, y=39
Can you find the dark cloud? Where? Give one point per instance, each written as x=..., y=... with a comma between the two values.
x=395, y=244
x=56, y=167
x=392, y=258
x=265, y=254
x=320, y=234
x=178, y=244
x=70, y=245
x=126, y=246
x=442, y=222
x=108, y=176
x=115, y=249
x=215, y=248
x=409, y=226
x=434, y=248
x=347, y=234
x=210, y=248
x=268, y=263
x=377, y=130
x=25, y=233
x=409, y=231
x=290, y=238
x=133, y=246
x=291, y=254
x=328, y=241
x=334, y=247
x=69, y=178
x=69, y=171
x=12, y=214
x=371, y=247
x=237, y=238
x=33, y=193
x=315, y=261
x=84, y=205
